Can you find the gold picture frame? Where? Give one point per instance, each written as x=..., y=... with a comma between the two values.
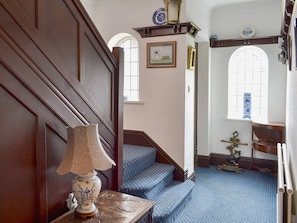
x=191, y=57
x=161, y=54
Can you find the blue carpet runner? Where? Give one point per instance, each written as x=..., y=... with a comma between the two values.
x=144, y=177
x=224, y=197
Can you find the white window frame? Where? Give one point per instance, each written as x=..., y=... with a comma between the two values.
x=131, y=64
x=248, y=74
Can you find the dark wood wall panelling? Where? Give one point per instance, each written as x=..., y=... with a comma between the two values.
x=56, y=71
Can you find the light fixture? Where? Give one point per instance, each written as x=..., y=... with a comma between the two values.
x=172, y=8
x=84, y=154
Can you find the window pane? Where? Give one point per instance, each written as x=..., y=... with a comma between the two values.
x=127, y=69
x=134, y=69
x=131, y=72
x=248, y=72
x=257, y=77
x=127, y=83
x=134, y=83
x=134, y=54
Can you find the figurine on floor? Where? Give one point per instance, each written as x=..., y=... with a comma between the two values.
x=233, y=158
x=232, y=163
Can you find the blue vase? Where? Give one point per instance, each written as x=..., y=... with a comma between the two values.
x=247, y=106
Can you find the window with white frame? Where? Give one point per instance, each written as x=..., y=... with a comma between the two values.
x=248, y=74
x=131, y=64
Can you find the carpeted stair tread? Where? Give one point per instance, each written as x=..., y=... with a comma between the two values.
x=173, y=197
x=153, y=193
x=136, y=159
x=144, y=177
x=148, y=178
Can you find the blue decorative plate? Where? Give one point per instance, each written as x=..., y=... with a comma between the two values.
x=159, y=17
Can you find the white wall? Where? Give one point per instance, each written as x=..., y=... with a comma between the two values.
x=264, y=15
x=162, y=116
x=196, y=12
x=89, y=6
x=221, y=127
x=291, y=117
x=203, y=99
x=166, y=111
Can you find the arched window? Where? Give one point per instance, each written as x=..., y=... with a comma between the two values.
x=248, y=84
x=131, y=64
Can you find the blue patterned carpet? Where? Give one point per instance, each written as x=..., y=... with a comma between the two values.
x=225, y=197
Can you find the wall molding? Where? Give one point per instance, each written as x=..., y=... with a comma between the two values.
x=182, y=28
x=215, y=43
x=244, y=162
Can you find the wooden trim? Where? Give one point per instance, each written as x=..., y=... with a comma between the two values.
x=214, y=43
x=192, y=177
x=182, y=28
x=244, y=162
x=288, y=6
x=140, y=138
x=118, y=54
x=203, y=161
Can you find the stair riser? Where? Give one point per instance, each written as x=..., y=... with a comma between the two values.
x=153, y=193
x=150, y=181
x=174, y=214
x=131, y=166
x=145, y=178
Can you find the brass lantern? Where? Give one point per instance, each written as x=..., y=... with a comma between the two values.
x=172, y=8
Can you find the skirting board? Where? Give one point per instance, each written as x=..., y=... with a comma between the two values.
x=244, y=162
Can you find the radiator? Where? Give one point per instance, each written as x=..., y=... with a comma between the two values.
x=285, y=188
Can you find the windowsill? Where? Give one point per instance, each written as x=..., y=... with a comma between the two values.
x=239, y=119
x=134, y=102
x=247, y=120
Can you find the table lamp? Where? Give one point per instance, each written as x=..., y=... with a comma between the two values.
x=84, y=154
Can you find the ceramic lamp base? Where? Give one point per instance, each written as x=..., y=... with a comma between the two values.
x=85, y=216
x=86, y=189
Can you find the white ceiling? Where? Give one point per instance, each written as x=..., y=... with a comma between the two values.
x=216, y=3
x=212, y=4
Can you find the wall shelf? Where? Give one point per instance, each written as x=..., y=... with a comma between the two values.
x=165, y=30
x=241, y=42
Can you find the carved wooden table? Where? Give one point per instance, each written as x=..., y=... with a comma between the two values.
x=115, y=207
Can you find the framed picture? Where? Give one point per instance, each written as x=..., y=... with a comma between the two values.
x=161, y=54
x=191, y=57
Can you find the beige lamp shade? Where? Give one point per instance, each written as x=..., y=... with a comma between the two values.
x=84, y=151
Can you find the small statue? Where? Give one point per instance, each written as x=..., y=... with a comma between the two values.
x=235, y=142
x=232, y=163
x=71, y=202
x=233, y=158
